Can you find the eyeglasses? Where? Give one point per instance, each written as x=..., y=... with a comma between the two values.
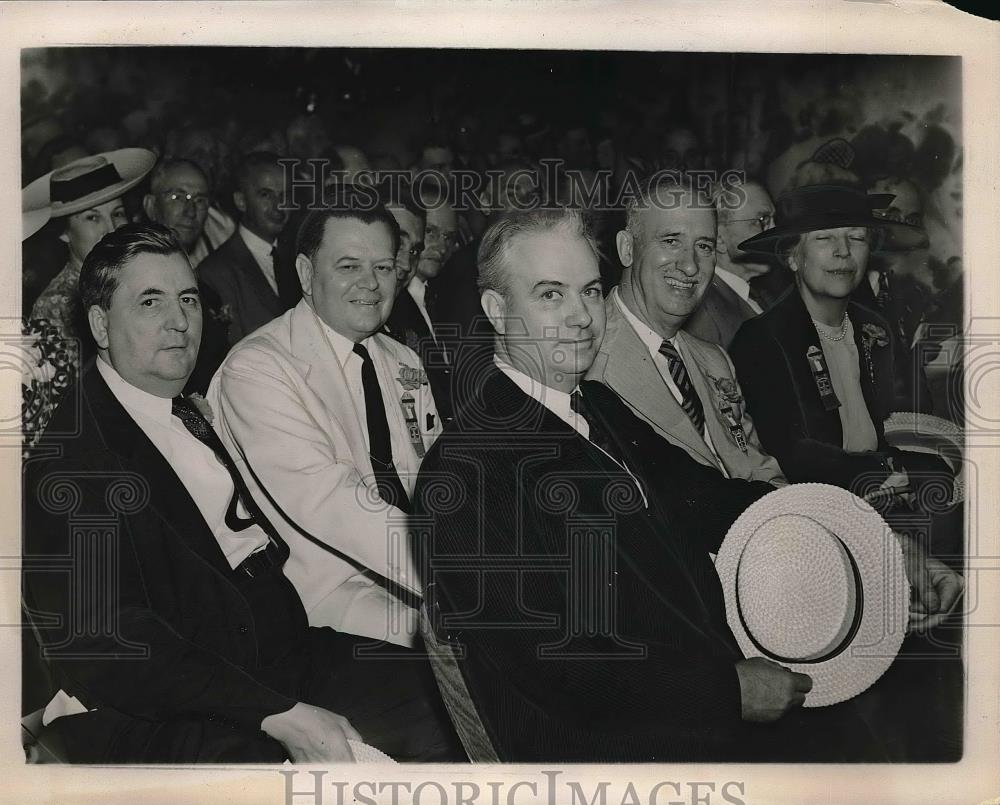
x=765, y=221
x=182, y=199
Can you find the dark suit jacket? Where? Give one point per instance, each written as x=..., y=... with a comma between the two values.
x=149, y=623
x=769, y=353
x=406, y=325
x=233, y=273
x=719, y=315
x=510, y=494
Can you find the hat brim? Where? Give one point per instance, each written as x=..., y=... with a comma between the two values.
x=884, y=589
x=926, y=433
x=898, y=236
x=32, y=221
x=132, y=165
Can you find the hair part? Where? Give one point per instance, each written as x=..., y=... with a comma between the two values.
x=99, y=275
x=310, y=236
x=498, y=238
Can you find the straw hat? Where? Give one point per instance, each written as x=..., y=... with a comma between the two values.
x=813, y=579
x=82, y=184
x=925, y=433
x=831, y=206
x=365, y=753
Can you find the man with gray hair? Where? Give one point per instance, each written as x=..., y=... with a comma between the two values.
x=547, y=492
x=684, y=387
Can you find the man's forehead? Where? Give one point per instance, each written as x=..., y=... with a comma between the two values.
x=184, y=177
x=755, y=196
x=442, y=215
x=683, y=212
x=542, y=253
x=162, y=271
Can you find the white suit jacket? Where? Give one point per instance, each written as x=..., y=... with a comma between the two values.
x=625, y=365
x=285, y=413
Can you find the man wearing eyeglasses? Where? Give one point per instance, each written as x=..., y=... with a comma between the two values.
x=743, y=210
x=683, y=386
x=179, y=198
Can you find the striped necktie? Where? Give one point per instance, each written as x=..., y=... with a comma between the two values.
x=690, y=401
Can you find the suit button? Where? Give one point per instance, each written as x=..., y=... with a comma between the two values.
x=243, y=628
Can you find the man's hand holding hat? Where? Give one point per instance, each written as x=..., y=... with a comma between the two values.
x=935, y=587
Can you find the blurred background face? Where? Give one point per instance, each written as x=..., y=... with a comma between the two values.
x=440, y=239
x=181, y=203
x=259, y=201
x=672, y=262
x=830, y=263
x=351, y=280
x=682, y=151
x=85, y=229
x=411, y=244
x=754, y=215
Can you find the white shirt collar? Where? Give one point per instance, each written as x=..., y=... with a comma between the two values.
x=738, y=284
x=343, y=347
x=417, y=288
x=135, y=399
x=556, y=401
x=256, y=244
x=647, y=335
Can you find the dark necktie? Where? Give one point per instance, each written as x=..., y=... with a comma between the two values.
x=390, y=488
x=758, y=298
x=598, y=434
x=198, y=426
x=690, y=401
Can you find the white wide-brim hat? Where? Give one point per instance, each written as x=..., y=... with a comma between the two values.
x=366, y=753
x=82, y=184
x=813, y=579
x=926, y=433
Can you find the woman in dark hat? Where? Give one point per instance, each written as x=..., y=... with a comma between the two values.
x=87, y=195
x=818, y=369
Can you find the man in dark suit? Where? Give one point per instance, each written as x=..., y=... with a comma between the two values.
x=244, y=271
x=569, y=545
x=152, y=579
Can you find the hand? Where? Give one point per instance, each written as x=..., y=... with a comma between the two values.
x=312, y=734
x=896, y=485
x=769, y=690
x=936, y=587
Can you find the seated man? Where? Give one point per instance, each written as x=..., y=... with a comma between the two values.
x=329, y=419
x=244, y=271
x=568, y=547
x=172, y=631
x=733, y=297
x=685, y=388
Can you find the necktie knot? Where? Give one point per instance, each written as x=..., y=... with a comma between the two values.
x=362, y=352
x=186, y=411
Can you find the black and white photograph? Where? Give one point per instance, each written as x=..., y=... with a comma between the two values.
x=596, y=423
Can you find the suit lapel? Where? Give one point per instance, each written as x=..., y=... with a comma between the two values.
x=629, y=371
x=733, y=300
x=257, y=283
x=167, y=494
x=325, y=376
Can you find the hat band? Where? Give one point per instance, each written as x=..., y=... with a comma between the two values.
x=67, y=190
x=859, y=606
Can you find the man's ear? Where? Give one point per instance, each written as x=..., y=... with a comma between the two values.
x=240, y=201
x=149, y=206
x=97, y=317
x=495, y=308
x=623, y=240
x=304, y=268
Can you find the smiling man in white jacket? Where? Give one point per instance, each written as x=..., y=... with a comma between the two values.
x=329, y=420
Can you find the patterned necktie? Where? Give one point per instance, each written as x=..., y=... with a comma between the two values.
x=598, y=435
x=690, y=401
x=390, y=488
x=198, y=426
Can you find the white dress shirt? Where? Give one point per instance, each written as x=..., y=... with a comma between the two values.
x=652, y=340
x=418, y=290
x=740, y=286
x=262, y=254
x=404, y=455
x=204, y=477
x=558, y=402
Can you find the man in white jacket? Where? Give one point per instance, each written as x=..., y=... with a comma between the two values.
x=329, y=420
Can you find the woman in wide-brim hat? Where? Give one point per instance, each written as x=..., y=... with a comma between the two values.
x=87, y=195
x=818, y=369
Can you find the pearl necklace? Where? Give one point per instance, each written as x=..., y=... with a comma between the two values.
x=824, y=330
